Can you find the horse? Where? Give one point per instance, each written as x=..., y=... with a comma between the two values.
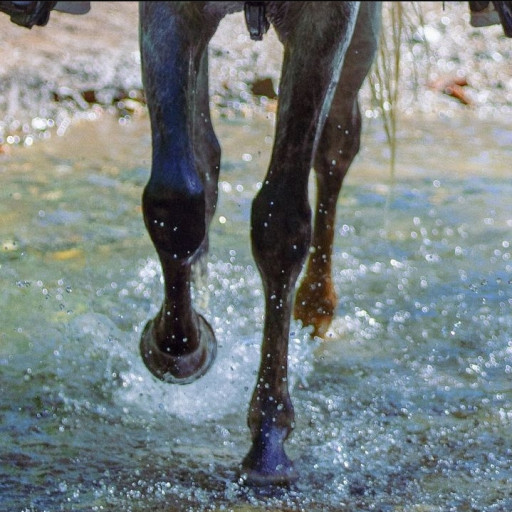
x=328, y=50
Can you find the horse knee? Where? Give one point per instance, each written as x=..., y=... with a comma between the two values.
x=340, y=143
x=175, y=219
x=281, y=234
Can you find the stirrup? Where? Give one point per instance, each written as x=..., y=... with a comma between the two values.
x=484, y=17
x=28, y=14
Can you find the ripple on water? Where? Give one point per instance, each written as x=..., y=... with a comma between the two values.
x=406, y=407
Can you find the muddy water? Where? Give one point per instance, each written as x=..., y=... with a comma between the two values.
x=407, y=407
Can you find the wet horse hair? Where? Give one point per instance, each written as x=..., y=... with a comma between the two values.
x=328, y=44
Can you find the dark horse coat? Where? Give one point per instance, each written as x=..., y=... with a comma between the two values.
x=328, y=44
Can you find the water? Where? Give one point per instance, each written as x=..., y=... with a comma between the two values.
x=406, y=407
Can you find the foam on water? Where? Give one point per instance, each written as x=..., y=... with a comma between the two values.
x=230, y=381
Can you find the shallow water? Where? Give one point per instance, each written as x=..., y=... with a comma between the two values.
x=407, y=407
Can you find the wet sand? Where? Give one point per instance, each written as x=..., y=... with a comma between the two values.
x=77, y=63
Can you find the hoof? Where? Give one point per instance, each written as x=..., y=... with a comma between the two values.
x=315, y=304
x=320, y=319
x=281, y=477
x=267, y=464
x=321, y=325
x=179, y=369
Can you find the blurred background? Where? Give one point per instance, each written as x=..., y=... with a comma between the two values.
x=91, y=62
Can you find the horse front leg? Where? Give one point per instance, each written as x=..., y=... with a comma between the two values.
x=316, y=298
x=178, y=345
x=281, y=216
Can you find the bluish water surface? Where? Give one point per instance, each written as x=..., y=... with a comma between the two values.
x=406, y=407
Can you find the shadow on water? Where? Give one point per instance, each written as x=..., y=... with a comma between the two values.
x=407, y=406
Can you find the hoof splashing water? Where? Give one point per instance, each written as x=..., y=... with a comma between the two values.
x=409, y=405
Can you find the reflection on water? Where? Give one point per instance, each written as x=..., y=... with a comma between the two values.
x=407, y=407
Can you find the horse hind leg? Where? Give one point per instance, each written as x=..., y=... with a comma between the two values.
x=178, y=345
x=316, y=298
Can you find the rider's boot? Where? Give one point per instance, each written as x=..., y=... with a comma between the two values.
x=484, y=14
x=27, y=13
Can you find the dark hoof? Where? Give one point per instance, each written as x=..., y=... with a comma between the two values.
x=281, y=477
x=179, y=369
x=267, y=464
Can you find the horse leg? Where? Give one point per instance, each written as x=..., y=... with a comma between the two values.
x=281, y=216
x=316, y=299
x=178, y=345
